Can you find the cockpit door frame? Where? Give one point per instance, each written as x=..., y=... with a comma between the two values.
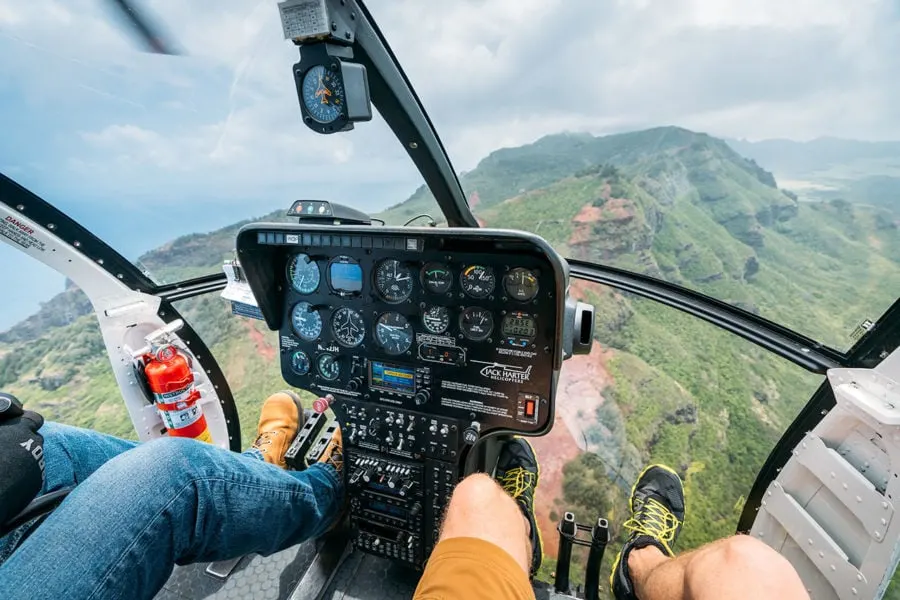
x=128, y=305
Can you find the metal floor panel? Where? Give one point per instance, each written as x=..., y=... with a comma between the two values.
x=258, y=577
x=360, y=577
x=366, y=577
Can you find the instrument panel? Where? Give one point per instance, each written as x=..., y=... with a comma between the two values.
x=426, y=340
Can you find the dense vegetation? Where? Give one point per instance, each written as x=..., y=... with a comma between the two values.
x=667, y=202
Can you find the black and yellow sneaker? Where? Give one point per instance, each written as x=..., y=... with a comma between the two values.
x=280, y=419
x=657, y=514
x=517, y=473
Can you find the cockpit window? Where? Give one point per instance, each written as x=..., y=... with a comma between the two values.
x=52, y=355
x=142, y=148
x=627, y=143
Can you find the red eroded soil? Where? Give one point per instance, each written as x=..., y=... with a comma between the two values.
x=588, y=214
x=474, y=201
x=263, y=347
x=582, y=381
x=554, y=450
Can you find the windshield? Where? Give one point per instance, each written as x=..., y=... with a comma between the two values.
x=685, y=140
x=141, y=148
x=736, y=148
x=722, y=187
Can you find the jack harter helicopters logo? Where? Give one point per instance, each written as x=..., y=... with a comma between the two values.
x=505, y=373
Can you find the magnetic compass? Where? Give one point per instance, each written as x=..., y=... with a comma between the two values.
x=323, y=94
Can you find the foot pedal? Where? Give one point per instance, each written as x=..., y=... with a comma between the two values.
x=568, y=536
x=295, y=457
x=324, y=439
x=223, y=569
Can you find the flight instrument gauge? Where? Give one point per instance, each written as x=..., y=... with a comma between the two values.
x=393, y=281
x=300, y=362
x=477, y=281
x=323, y=94
x=476, y=323
x=436, y=278
x=520, y=284
x=348, y=327
x=306, y=321
x=394, y=333
x=328, y=366
x=303, y=274
x=436, y=319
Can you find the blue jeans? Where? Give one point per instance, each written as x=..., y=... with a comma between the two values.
x=138, y=510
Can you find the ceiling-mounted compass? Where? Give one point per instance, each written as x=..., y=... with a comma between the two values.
x=333, y=92
x=322, y=94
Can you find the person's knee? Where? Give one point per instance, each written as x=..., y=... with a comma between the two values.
x=477, y=490
x=480, y=508
x=740, y=554
x=159, y=463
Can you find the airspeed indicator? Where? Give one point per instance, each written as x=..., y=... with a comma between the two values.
x=303, y=274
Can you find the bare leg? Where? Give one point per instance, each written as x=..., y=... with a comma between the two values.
x=732, y=568
x=479, y=508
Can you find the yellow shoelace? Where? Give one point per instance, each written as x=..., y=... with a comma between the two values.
x=517, y=481
x=656, y=521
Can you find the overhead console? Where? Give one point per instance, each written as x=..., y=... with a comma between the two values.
x=425, y=341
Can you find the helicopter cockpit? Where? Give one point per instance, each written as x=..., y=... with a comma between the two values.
x=428, y=347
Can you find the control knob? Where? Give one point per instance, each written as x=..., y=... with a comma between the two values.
x=422, y=397
x=354, y=384
x=367, y=474
x=356, y=476
x=415, y=509
x=374, y=426
x=406, y=489
x=471, y=433
x=320, y=405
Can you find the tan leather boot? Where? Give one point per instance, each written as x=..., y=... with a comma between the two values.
x=333, y=454
x=279, y=421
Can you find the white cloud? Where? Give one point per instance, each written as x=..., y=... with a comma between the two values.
x=491, y=73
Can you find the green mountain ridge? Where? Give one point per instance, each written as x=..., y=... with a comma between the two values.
x=671, y=203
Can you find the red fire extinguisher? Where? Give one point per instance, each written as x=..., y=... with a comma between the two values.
x=171, y=380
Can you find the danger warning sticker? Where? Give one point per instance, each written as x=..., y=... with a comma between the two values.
x=20, y=233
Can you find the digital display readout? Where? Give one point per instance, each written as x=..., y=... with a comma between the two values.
x=519, y=326
x=392, y=378
x=387, y=508
x=346, y=277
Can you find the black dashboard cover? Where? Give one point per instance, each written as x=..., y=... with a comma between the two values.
x=502, y=380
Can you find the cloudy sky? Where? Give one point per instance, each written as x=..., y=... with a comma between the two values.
x=142, y=147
